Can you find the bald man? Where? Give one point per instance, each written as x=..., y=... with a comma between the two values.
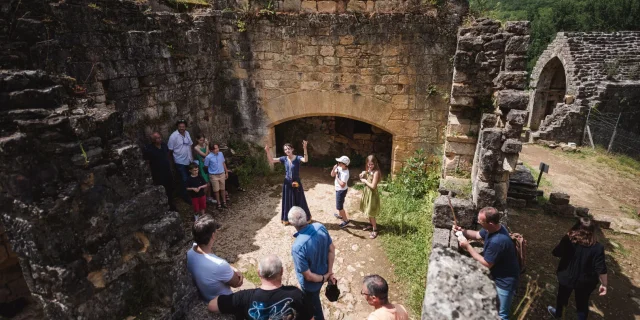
x=159, y=160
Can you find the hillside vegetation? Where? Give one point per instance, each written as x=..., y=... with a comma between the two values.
x=551, y=16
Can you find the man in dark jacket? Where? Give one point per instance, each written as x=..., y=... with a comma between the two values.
x=159, y=160
x=499, y=256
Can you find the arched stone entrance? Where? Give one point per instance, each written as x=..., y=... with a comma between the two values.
x=406, y=132
x=549, y=91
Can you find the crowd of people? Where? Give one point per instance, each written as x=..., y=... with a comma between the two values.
x=205, y=179
x=582, y=264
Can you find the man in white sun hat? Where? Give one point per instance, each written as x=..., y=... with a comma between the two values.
x=341, y=174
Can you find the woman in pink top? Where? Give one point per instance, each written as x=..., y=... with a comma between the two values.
x=376, y=291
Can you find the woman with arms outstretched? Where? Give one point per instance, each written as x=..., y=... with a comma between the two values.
x=292, y=191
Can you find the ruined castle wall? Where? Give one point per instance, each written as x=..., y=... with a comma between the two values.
x=489, y=57
x=594, y=63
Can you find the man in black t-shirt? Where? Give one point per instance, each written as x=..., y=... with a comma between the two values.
x=271, y=301
x=158, y=158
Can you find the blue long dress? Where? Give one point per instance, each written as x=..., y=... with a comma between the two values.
x=292, y=196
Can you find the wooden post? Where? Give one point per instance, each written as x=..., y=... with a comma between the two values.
x=614, y=133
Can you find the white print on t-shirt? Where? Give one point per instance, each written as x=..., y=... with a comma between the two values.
x=280, y=310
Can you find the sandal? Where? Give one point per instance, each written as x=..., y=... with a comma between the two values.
x=219, y=207
x=373, y=234
x=367, y=228
x=241, y=189
x=224, y=205
x=227, y=198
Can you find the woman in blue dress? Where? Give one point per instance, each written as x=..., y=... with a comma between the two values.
x=292, y=191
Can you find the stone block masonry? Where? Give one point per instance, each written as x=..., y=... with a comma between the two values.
x=488, y=65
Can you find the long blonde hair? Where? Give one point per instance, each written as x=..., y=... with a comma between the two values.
x=371, y=158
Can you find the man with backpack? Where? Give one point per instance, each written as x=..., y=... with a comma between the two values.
x=499, y=256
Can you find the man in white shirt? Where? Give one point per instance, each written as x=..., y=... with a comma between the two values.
x=180, y=147
x=213, y=275
x=341, y=173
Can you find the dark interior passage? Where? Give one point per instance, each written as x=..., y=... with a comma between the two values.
x=332, y=137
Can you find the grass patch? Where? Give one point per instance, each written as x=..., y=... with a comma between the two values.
x=406, y=209
x=407, y=241
x=619, y=162
x=190, y=2
x=252, y=276
x=629, y=211
x=463, y=187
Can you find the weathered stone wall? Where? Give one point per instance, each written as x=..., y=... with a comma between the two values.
x=377, y=70
x=12, y=284
x=458, y=287
x=488, y=57
x=331, y=137
x=593, y=63
x=92, y=236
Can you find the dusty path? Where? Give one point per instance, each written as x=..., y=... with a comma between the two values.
x=590, y=184
x=252, y=229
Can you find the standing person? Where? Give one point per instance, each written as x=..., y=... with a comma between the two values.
x=217, y=169
x=499, y=256
x=212, y=275
x=159, y=160
x=201, y=151
x=313, y=255
x=195, y=186
x=271, y=300
x=340, y=172
x=292, y=190
x=376, y=290
x=180, y=145
x=370, y=203
x=582, y=264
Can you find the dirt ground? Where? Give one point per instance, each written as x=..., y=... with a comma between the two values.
x=603, y=190
x=252, y=229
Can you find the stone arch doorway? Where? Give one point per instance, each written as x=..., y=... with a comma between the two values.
x=330, y=137
x=365, y=109
x=550, y=90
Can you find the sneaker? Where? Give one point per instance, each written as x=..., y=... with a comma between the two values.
x=343, y=224
x=211, y=200
x=337, y=216
x=552, y=311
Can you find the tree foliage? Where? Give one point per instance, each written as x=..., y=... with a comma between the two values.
x=551, y=16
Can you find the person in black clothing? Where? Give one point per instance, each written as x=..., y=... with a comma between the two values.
x=271, y=301
x=158, y=158
x=195, y=187
x=582, y=264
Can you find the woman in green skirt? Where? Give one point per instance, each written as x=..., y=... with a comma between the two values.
x=370, y=203
x=201, y=152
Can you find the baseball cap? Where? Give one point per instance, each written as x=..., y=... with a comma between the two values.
x=344, y=159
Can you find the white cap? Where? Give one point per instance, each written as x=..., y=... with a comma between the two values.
x=344, y=159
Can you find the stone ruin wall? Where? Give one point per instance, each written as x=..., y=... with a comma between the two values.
x=602, y=70
x=489, y=57
x=487, y=98
x=89, y=82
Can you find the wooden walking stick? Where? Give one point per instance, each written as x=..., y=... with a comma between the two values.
x=455, y=220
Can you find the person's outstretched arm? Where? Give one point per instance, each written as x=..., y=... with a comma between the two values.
x=304, y=147
x=269, y=158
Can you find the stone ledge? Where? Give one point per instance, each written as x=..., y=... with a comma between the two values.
x=462, y=139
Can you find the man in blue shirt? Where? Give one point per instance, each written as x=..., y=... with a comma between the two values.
x=218, y=173
x=499, y=256
x=313, y=255
x=180, y=145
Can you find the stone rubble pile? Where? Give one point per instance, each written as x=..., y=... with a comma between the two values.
x=523, y=190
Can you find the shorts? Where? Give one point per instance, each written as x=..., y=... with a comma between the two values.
x=217, y=181
x=199, y=203
x=340, y=196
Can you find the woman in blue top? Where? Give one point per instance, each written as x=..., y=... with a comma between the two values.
x=292, y=191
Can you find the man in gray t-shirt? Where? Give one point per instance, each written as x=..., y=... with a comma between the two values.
x=213, y=275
